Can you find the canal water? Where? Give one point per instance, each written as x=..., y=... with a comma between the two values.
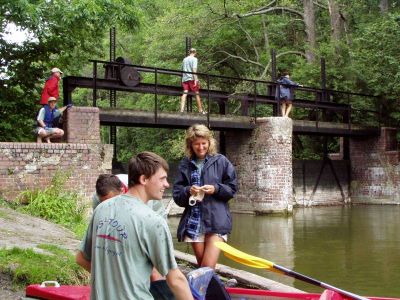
x=355, y=248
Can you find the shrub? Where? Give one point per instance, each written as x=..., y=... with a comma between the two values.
x=55, y=204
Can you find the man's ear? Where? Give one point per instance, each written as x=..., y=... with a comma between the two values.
x=142, y=179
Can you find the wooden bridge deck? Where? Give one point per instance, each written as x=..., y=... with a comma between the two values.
x=128, y=117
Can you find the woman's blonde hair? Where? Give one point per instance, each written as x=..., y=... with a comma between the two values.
x=199, y=131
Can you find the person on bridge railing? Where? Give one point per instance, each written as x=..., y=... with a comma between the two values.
x=50, y=88
x=190, y=82
x=205, y=183
x=285, y=93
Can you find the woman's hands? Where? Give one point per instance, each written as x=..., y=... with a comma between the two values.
x=207, y=189
x=194, y=190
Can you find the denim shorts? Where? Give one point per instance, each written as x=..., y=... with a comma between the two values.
x=47, y=129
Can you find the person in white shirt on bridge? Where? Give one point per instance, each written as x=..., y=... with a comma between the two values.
x=190, y=82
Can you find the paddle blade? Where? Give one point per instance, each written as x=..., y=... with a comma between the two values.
x=244, y=262
x=244, y=258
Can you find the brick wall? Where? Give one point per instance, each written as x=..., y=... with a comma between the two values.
x=307, y=192
x=82, y=125
x=263, y=161
x=29, y=165
x=375, y=169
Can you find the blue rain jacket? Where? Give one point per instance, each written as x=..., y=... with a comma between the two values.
x=217, y=171
x=285, y=88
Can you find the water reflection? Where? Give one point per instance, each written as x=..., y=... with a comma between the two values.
x=354, y=248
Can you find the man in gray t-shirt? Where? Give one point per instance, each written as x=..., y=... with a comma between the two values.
x=190, y=82
x=126, y=238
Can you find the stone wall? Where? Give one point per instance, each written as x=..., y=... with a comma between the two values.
x=375, y=169
x=309, y=191
x=26, y=166
x=263, y=161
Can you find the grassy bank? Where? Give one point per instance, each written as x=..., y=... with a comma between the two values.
x=28, y=267
x=54, y=204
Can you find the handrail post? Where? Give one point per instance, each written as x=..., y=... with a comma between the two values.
x=380, y=112
x=278, y=97
x=349, y=110
x=255, y=101
x=155, y=95
x=208, y=101
x=94, y=83
x=316, y=113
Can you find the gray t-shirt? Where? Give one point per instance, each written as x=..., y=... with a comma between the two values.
x=156, y=205
x=189, y=63
x=124, y=240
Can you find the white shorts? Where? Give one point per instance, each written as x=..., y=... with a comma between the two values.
x=200, y=238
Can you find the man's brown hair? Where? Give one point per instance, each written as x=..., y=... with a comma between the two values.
x=145, y=163
x=107, y=183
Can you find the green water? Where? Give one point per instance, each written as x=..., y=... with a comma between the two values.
x=354, y=248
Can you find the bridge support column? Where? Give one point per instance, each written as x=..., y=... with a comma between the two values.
x=82, y=125
x=375, y=169
x=263, y=161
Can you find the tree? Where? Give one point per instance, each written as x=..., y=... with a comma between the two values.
x=64, y=34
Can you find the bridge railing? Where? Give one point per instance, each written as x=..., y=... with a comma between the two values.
x=243, y=96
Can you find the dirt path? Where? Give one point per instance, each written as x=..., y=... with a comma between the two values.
x=24, y=231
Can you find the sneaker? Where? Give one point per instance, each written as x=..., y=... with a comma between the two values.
x=203, y=112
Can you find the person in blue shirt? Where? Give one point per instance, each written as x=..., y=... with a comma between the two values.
x=47, y=121
x=286, y=93
x=205, y=183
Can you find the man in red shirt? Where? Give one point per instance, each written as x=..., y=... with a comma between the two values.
x=51, y=86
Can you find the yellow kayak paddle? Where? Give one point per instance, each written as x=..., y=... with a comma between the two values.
x=257, y=262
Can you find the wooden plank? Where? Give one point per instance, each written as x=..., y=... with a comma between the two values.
x=125, y=117
x=243, y=277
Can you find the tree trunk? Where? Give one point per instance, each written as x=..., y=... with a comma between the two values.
x=384, y=6
x=336, y=19
x=309, y=21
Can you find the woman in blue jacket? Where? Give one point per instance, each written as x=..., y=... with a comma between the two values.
x=286, y=94
x=205, y=183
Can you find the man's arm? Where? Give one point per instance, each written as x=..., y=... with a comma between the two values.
x=178, y=284
x=82, y=261
x=40, y=118
x=61, y=110
x=195, y=75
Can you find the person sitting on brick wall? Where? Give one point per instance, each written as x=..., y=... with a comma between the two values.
x=47, y=120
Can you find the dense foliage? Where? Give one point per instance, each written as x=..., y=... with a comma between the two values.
x=359, y=40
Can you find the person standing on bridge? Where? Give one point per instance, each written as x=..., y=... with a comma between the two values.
x=190, y=82
x=205, y=183
x=50, y=88
x=286, y=94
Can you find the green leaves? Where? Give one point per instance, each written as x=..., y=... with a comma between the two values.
x=55, y=204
